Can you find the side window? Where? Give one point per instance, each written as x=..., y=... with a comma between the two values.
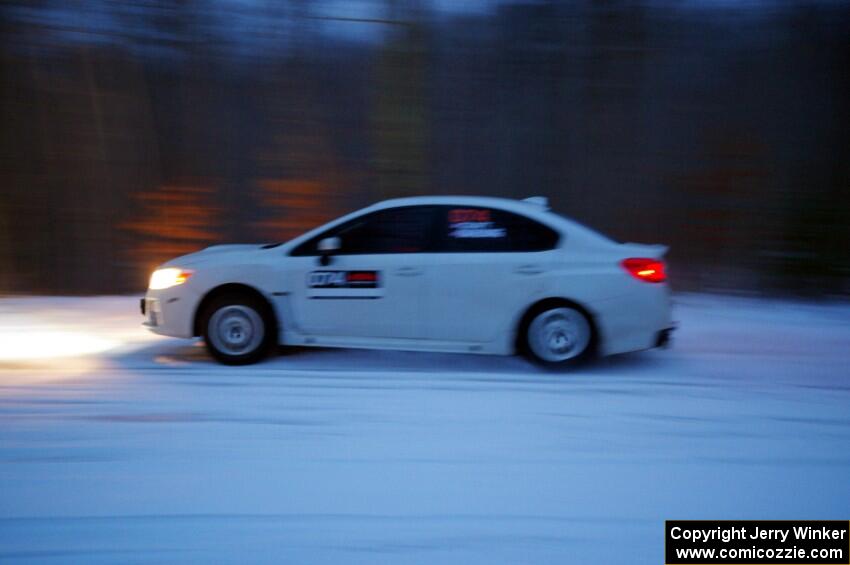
x=394, y=230
x=473, y=229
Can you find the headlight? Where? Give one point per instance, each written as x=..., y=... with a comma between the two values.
x=168, y=277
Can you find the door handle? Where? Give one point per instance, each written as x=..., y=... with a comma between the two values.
x=529, y=270
x=409, y=271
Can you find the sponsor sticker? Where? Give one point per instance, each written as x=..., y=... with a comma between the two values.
x=343, y=279
x=473, y=223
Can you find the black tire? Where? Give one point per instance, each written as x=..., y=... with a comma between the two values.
x=559, y=337
x=238, y=329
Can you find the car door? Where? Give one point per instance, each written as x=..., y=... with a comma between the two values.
x=488, y=263
x=373, y=286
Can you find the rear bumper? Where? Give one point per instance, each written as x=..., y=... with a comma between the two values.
x=635, y=321
x=665, y=336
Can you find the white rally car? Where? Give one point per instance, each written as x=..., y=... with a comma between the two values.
x=456, y=274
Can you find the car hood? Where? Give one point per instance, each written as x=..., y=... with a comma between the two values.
x=218, y=254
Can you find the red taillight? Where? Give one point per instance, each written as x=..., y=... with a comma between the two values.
x=647, y=270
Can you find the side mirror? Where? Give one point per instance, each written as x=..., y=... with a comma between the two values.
x=327, y=247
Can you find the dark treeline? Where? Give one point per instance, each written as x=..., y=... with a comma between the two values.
x=133, y=132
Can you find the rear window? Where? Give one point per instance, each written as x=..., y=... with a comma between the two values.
x=471, y=229
x=597, y=233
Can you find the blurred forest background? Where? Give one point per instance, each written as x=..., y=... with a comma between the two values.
x=134, y=131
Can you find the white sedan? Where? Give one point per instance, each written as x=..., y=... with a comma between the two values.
x=452, y=274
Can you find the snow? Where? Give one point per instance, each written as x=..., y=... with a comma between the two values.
x=143, y=450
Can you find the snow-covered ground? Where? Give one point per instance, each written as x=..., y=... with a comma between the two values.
x=117, y=446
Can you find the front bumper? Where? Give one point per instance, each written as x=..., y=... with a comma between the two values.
x=167, y=313
x=152, y=311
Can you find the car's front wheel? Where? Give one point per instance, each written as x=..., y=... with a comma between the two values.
x=238, y=329
x=559, y=337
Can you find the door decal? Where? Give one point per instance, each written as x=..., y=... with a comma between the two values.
x=343, y=279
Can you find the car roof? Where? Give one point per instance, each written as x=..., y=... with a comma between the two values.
x=491, y=201
x=535, y=208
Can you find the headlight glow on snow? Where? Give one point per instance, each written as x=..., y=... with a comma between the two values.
x=168, y=277
x=49, y=343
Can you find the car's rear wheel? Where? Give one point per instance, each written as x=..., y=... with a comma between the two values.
x=238, y=329
x=559, y=337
